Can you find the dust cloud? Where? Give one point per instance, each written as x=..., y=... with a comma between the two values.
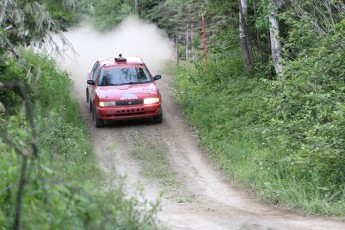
x=132, y=37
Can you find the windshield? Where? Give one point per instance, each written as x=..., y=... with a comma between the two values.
x=126, y=74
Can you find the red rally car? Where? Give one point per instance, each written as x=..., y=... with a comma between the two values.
x=123, y=88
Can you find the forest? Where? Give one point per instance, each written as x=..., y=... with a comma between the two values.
x=263, y=86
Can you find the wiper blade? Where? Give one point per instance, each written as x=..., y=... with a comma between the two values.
x=126, y=83
x=113, y=84
x=131, y=82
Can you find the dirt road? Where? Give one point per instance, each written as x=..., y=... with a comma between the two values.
x=198, y=196
x=205, y=201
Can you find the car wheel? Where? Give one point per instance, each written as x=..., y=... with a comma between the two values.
x=88, y=100
x=98, y=122
x=87, y=96
x=158, y=118
x=90, y=106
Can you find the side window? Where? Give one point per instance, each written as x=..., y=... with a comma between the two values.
x=95, y=71
x=93, y=68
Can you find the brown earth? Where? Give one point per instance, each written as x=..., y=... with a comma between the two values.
x=206, y=200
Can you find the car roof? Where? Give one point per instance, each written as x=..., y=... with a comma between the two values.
x=112, y=61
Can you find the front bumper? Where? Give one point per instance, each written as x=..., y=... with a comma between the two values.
x=128, y=112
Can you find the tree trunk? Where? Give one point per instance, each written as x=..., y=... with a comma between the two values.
x=187, y=42
x=3, y=12
x=258, y=34
x=136, y=7
x=246, y=49
x=276, y=48
x=177, y=51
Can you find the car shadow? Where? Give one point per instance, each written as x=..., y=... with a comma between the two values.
x=128, y=123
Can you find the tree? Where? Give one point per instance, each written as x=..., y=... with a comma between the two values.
x=27, y=22
x=247, y=51
x=65, y=13
x=276, y=48
x=109, y=13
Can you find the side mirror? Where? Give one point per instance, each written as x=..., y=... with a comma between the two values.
x=157, y=77
x=91, y=82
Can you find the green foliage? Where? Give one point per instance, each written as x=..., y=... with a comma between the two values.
x=63, y=12
x=64, y=188
x=52, y=87
x=308, y=120
x=301, y=36
x=283, y=139
x=27, y=22
x=109, y=13
x=58, y=205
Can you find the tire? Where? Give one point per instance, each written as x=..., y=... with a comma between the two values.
x=87, y=96
x=90, y=106
x=97, y=122
x=159, y=118
x=88, y=100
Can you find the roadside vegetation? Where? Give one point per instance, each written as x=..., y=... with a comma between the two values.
x=50, y=178
x=63, y=186
x=238, y=123
x=280, y=135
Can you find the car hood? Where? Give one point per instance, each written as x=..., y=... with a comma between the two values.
x=127, y=92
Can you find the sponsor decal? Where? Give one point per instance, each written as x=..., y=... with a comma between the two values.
x=129, y=97
x=123, y=67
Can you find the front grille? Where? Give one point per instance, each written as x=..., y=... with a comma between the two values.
x=131, y=102
x=128, y=112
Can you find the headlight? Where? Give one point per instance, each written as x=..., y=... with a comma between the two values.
x=107, y=103
x=148, y=101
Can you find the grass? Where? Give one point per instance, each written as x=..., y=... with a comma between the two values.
x=155, y=166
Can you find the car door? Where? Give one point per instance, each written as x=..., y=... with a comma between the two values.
x=93, y=75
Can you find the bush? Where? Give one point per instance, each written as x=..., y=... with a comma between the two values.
x=309, y=122
x=282, y=139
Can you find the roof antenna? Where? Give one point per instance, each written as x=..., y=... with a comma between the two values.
x=120, y=59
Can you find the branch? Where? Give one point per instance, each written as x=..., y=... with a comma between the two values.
x=22, y=180
x=29, y=111
x=6, y=189
x=301, y=13
x=11, y=143
x=19, y=201
x=10, y=46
